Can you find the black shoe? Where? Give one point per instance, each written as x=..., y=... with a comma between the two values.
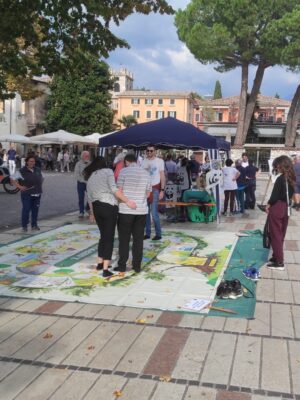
x=156, y=237
x=119, y=269
x=24, y=229
x=272, y=260
x=146, y=237
x=236, y=289
x=99, y=266
x=277, y=266
x=136, y=270
x=107, y=273
x=35, y=228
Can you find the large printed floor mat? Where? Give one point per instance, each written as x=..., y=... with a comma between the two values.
x=60, y=265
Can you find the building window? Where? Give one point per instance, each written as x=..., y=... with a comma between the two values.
x=116, y=87
x=160, y=114
x=197, y=117
x=172, y=102
x=160, y=102
x=135, y=101
x=148, y=114
x=219, y=116
x=172, y=114
x=136, y=114
x=2, y=108
x=148, y=101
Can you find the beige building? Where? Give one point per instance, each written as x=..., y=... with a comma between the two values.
x=150, y=105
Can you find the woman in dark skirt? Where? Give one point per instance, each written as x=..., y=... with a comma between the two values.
x=278, y=209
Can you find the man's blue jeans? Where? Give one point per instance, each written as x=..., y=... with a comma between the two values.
x=240, y=196
x=81, y=189
x=30, y=204
x=153, y=210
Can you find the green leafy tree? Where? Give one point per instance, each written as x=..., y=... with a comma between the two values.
x=231, y=34
x=80, y=100
x=286, y=32
x=218, y=90
x=40, y=36
x=128, y=121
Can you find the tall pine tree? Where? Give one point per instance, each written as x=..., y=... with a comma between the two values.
x=80, y=100
x=218, y=90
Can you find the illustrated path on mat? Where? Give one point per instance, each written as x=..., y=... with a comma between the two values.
x=60, y=265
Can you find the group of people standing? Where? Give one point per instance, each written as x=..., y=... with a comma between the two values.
x=239, y=184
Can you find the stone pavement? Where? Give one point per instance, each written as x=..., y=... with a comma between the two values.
x=59, y=350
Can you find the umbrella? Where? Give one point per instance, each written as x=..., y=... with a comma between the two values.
x=94, y=137
x=61, y=137
x=14, y=138
x=164, y=133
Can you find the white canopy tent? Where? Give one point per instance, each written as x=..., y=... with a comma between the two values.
x=14, y=138
x=61, y=137
x=94, y=137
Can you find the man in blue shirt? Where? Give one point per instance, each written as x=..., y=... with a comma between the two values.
x=11, y=156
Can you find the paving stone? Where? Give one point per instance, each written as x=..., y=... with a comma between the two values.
x=296, y=291
x=226, y=395
x=289, y=255
x=296, y=255
x=115, y=349
x=197, y=393
x=191, y=358
x=109, y=312
x=296, y=319
x=260, y=325
x=218, y=363
x=169, y=318
x=17, y=381
x=94, y=343
x=7, y=316
x=15, y=325
x=259, y=397
x=31, y=305
x=138, y=389
x=191, y=320
x=165, y=356
x=294, y=349
x=40, y=343
x=76, y=386
x=150, y=316
x=246, y=362
x=50, y=307
x=89, y=310
x=47, y=383
x=293, y=271
x=213, y=323
x=265, y=273
x=128, y=314
x=281, y=321
x=3, y=300
x=138, y=355
x=6, y=368
x=63, y=347
x=105, y=386
x=69, y=309
x=291, y=245
x=167, y=390
x=237, y=325
x=25, y=335
x=283, y=292
x=13, y=303
x=265, y=290
x=275, y=370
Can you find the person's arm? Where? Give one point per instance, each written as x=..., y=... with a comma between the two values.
x=162, y=184
x=236, y=176
x=118, y=192
x=14, y=181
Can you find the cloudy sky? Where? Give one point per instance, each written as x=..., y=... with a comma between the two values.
x=159, y=61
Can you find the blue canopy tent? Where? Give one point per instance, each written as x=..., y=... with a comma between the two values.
x=163, y=133
x=167, y=133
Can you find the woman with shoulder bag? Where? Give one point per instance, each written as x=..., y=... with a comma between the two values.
x=278, y=209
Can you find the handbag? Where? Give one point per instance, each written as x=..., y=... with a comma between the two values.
x=266, y=235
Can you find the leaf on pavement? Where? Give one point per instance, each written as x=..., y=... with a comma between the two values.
x=165, y=378
x=48, y=335
x=117, y=393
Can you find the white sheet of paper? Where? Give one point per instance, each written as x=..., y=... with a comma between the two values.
x=196, y=304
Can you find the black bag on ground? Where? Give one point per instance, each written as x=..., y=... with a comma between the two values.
x=266, y=235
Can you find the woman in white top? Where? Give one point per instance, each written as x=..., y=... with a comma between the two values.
x=230, y=175
x=103, y=195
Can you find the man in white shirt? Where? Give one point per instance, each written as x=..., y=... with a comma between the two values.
x=135, y=183
x=156, y=168
x=245, y=160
